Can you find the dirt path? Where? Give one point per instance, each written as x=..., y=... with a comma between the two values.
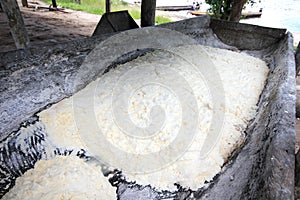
x=46, y=26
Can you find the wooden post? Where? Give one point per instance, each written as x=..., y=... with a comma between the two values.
x=16, y=23
x=148, y=13
x=107, y=6
x=24, y=3
x=54, y=4
x=297, y=59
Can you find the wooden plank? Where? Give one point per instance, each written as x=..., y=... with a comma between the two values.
x=107, y=6
x=148, y=12
x=16, y=23
x=198, y=13
x=174, y=8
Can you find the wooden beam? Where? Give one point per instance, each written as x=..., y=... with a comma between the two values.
x=148, y=13
x=16, y=23
x=107, y=6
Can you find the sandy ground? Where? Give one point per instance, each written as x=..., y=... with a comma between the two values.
x=46, y=26
x=296, y=38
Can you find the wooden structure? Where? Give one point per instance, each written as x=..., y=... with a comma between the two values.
x=174, y=8
x=18, y=29
x=112, y=22
x=148, y=13
x=262, y=168
x=54, y=4
x=107, y=6
x=245, y=15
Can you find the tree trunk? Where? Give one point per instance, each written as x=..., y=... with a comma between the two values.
x=148, y=12
x=54, y=4
x=107, y=6
x=16, y=23
x=237, y=8
x=227, y=9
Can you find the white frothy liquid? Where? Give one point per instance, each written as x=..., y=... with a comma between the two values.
x=243, y=78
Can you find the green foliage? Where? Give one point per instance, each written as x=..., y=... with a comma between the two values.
x=162, y=20
x=119, y=2
x=90, y=6
x=98, y=7
x=252, y=2
x=221, y=9
x=135, y=13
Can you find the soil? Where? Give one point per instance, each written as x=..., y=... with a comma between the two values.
x=44, y=26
